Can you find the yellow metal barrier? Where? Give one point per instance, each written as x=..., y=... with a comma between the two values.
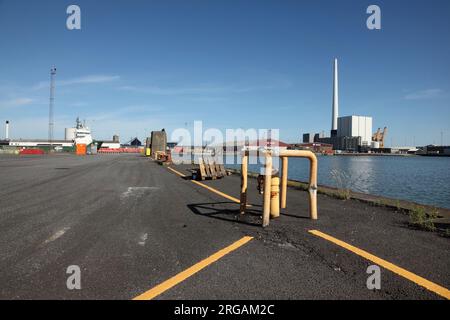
x=272, y=193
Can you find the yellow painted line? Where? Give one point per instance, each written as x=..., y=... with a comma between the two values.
x=444, y=292
x=177, y=172
x=220, y=193
x=166, y=285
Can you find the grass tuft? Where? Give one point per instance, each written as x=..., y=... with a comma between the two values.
x=341, y=180
x=421, y=220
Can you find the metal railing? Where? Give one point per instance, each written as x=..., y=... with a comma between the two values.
x=284, y=155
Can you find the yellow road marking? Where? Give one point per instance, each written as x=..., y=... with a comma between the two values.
x=220, y=193
x=166, y=285
x=177, y=172
x=444, y=292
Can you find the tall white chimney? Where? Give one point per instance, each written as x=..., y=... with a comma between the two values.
x=334, y=122
x=7, y=130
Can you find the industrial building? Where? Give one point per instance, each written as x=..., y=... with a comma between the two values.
x=318, y=148
x=36, y=143
x=349, y=133
x=109, y=144
x=345, y=143
x=436, y=151
x=308, y=137
x=254, y=145
x=356, y=126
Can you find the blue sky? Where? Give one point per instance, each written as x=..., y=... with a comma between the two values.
x=141, y=65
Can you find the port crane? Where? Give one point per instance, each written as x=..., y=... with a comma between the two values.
x=380, y=136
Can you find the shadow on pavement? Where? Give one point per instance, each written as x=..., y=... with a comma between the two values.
x=216, y=210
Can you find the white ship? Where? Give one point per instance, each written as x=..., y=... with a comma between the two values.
x=80, y=134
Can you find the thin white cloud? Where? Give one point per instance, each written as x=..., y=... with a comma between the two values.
x=15, y=102
x=132, y=112
x=79, y=104
x=21, y=101
x=174, y=91
x=205, y=89
x=424, y=94
x=90, y=79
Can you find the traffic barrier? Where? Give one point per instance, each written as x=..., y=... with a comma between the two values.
x=272, y=190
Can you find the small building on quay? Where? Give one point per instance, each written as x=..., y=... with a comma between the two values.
x=434, y=151
x=316, y=147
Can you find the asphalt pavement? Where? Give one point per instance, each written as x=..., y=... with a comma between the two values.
x=131, y=224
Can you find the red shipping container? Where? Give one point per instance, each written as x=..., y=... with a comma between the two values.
x=31, y=151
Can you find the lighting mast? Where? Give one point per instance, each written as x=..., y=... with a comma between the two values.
x=51, y=106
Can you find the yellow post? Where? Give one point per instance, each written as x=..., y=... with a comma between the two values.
x=267, y=185
x=275, y=197
x=313, y=187
x=284, y=179
x=147, y=152
x=244, y=177
x=312, y=176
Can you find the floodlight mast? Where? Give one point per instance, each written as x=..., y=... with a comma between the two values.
x=51, y=107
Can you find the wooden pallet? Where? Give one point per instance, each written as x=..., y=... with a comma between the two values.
x=209, y=168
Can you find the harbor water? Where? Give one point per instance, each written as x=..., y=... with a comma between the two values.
x=424, y=180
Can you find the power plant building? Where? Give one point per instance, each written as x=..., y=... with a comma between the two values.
x=356, y=126
x=350, y=133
